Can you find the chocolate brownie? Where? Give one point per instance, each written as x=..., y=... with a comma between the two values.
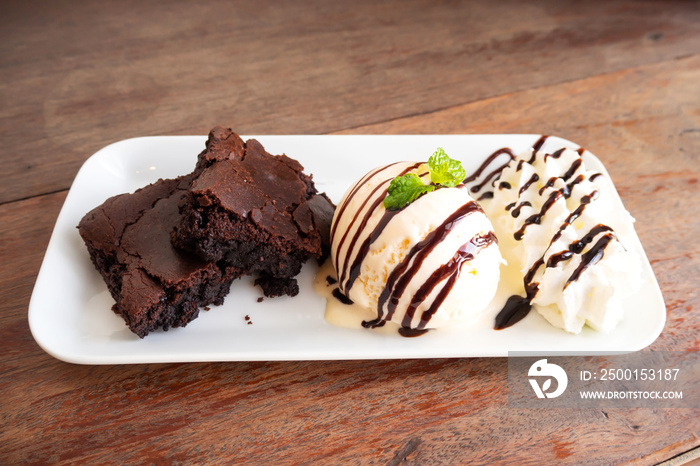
x=254, y=211
x=154, y=284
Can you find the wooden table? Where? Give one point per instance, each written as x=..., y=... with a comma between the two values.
x=621, y=78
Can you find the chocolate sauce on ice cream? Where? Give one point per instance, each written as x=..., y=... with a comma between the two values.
x=418, y=265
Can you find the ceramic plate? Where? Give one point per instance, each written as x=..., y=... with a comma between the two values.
x=70, y=312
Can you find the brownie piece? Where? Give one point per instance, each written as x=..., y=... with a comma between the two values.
x=254, y=211
x=154, y=284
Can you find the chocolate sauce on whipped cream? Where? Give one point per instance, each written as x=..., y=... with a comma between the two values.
x=535, y=177
x=555, y=155
x=591, y=257
x=494, y=174
x=517, y=307
x=565, y=192
x=516, y=212
x=539, y=143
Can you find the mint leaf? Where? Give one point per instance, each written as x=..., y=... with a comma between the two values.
x=405, y=189
x=444, y=170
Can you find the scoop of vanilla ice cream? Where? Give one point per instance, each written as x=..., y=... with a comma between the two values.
x=555, y=220
x=423, y=266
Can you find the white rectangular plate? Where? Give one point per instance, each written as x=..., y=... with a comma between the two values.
x=70, y=311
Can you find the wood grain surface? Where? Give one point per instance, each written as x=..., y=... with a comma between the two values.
x=621, y=78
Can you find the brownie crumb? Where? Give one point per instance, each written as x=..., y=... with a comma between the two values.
x=261, y=299
x=273, y=286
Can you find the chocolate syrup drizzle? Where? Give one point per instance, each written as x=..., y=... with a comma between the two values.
x=564, y=192
x=493, y=174
x=516, y=212
x=347, y=276
x=406, y=270
x=550, y=182
x=412, y=332
x=496, y=172
x=515, y=310
x=534, y=178
x=337, y=294
x=358, y=185
x=539, y=143
x=591, y=257
x=451, y=271
x=555, y=155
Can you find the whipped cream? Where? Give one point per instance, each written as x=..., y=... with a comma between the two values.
x=554, y=220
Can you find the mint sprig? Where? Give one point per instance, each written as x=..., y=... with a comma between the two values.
x=444, y=172
x=405, y=189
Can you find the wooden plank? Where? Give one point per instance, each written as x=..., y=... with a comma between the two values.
x=102, y=73
x=25, y=230
x=642, y=124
